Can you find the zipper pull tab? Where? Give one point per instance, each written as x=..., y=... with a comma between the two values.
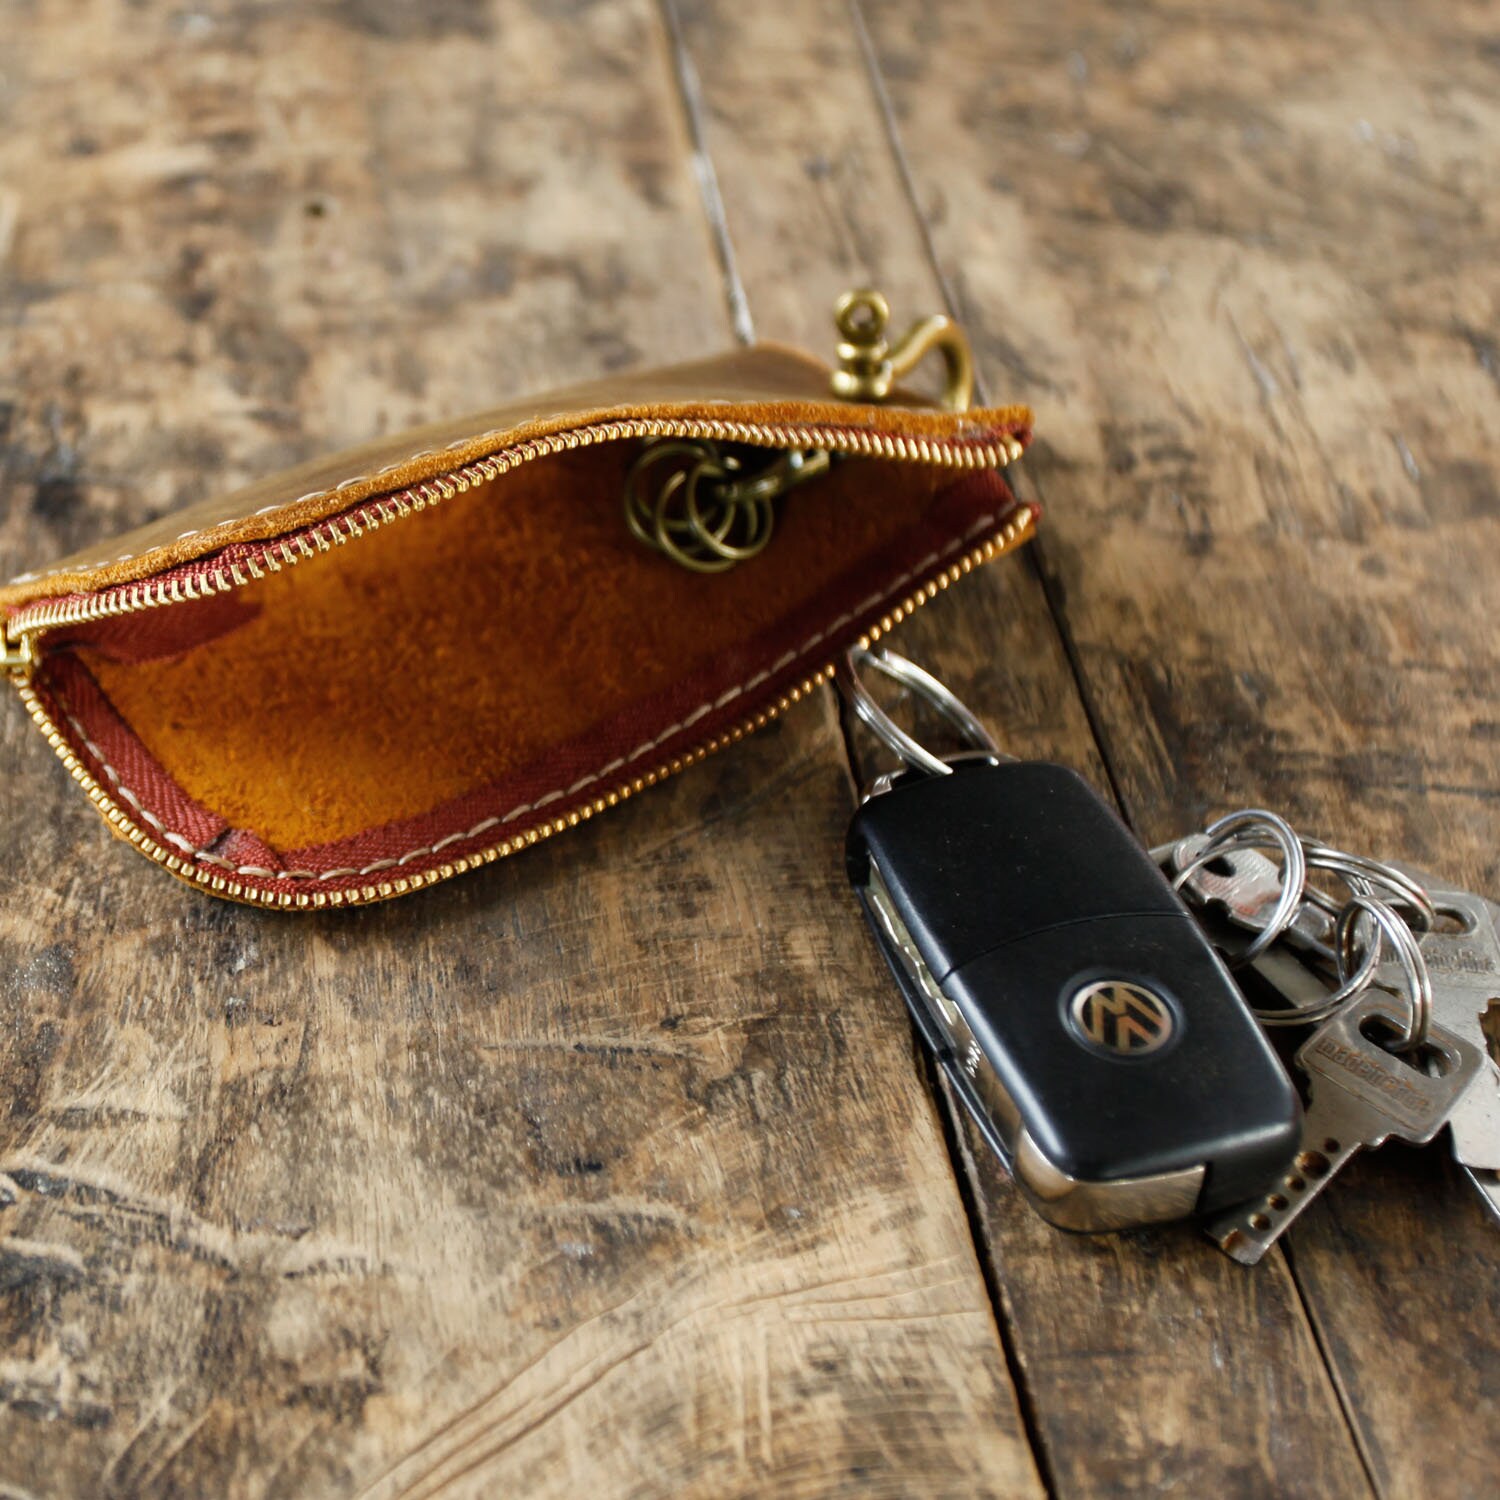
x=869, y=366
x=17, y=657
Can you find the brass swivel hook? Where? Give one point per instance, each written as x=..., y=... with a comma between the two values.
x=708, y=506
x=869, y=366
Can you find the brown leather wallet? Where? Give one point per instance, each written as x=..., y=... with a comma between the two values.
x=370, y=673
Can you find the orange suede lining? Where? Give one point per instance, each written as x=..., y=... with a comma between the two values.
x=432, y=657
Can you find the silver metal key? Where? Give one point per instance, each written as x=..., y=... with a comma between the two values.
x=1463, y=959
x=1487, y=1185
x=1360, y=1095
x=1244, y=885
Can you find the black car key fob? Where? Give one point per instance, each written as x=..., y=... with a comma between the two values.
x=1081, y=1014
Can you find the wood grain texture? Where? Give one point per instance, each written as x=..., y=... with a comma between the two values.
x=613, y=1169
x=809, y=179
x=511, y=1189
x=1243, y=257
x=609, y=1169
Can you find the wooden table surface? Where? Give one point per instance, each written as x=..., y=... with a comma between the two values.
x=614, y=1169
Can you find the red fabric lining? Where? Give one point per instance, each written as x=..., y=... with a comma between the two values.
x=964, y=514
x=110, y=745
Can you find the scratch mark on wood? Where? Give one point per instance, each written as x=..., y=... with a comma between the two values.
x=1408, y=462
x=23, y=1261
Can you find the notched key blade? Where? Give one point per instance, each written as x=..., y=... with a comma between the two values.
x=1360, y=1095
x=1463, y=961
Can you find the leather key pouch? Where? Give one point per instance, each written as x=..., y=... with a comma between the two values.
x=376, y=671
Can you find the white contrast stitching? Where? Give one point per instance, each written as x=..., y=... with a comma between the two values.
x=495, y=821
x=819, y=435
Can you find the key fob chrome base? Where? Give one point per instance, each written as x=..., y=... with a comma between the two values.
x=1079, y=1011
x=1066, y=1201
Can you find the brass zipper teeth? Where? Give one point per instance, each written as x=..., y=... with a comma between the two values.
x=1012, y=534
x=369, y=515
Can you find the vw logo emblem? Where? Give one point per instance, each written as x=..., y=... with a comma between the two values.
x=1122, y=1018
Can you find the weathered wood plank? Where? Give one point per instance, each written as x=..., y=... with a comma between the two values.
x=608, y=1169
x=814, y=202
x=1243, y=259
x=1400, y=1279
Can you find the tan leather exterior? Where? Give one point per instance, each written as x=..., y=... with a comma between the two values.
x=763, y=383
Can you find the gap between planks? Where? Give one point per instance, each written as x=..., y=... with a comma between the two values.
x=690, y=99
x=1037, y=560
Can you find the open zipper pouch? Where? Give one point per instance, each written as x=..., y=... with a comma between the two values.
x=380, y=670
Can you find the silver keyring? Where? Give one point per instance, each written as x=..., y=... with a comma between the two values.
x=1255, y=828
x=1389, y=928
x=1372, y=877
x=1379, y=894
x=895, y=666
x=1352, y=983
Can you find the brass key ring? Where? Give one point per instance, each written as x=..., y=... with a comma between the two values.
x=678, y=523
x=709, y=514
x=732, y=518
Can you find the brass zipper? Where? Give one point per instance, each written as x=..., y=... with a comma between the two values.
x=17, y=657
x=868, y=366
x=992, y=454
x=183, y=585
